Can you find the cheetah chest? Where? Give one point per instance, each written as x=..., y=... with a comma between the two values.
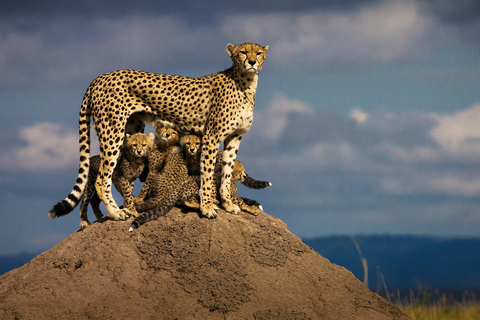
x=245, y=115
x=132, y=170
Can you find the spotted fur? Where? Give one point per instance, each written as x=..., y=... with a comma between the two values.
x=169, y=186
x=192, y=145
x=218, y=106
x=166, y=136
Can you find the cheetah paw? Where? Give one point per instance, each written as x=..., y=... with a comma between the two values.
x=208, y=210
x=118, y=215
x=192, y=204
x=84, y=224
x=131, y=212
x=232, y=208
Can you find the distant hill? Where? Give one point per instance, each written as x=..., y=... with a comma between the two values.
x=407, y=262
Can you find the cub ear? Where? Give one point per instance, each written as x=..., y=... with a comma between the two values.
x=127, y=135
x=265, y=48
x=151, y=135
x=230, y=48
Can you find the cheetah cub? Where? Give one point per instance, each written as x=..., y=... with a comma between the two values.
x=131, y=165
x=166, y=137
x=192, y=145
x=169, y=186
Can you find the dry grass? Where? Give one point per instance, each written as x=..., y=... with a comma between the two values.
x=426, y=305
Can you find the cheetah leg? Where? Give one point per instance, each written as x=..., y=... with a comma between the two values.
x=245, y=207
x=95, y=203
x=125, y=188
x=232, y=144
x=103, y=183
x=87, y=194
x=190, y=194
x=207, y=166
x=104, y=187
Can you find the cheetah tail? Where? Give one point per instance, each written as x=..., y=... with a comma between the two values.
x=65, y=206
x=151, y=214
x=255, y=184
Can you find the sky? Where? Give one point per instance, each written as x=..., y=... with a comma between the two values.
x=366, y=119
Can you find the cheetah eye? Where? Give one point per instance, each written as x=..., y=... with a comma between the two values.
x=243, y=52
x=134, y=145
x=259, y=53
x=144, y=145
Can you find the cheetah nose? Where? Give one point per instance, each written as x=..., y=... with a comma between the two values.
x=252, y=62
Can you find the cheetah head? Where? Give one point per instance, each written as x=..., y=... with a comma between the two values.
x=166, y=136
x=247, y=57
x=238, y=172
x=139, y=144
x=191, y=143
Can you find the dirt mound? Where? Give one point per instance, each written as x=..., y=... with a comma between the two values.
x=182, y=266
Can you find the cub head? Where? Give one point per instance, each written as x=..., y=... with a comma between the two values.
x=238, y=172
x=191, y=143
x=167, y=135
x=139, y=144
x=247, y=57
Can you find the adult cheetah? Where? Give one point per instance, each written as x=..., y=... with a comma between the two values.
x=218, y=106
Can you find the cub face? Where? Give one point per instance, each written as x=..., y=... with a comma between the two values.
x=238, y=172
x=167, y=135
x=139, y=144
x=247, y=57
x=191, y=143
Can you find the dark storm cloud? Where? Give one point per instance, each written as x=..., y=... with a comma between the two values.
x=196, y=10
x=454, y=12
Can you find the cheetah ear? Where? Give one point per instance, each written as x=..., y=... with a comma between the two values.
x=265, y=48
x=151, y=135
x=230, y=48
x=127, y=135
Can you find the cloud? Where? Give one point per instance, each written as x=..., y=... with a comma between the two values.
x=43, y=147
x=277, y=113
x=68, y=49
x=384, y=152
x=459, y=134
x=388, y=172
x=380, y=32
x=359, y=115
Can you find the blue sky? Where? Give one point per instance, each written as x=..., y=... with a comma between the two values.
x=366, y=118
